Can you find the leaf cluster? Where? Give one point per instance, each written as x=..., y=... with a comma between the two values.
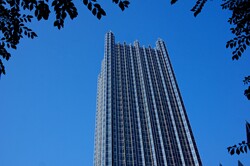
x=122, y=4
x=198, y=7
x=13, y=28
x=242, y=147
x=246, y=80
x=240, y=20
x=13, y=24
x=95, y=8
x=62, y=9
x=173, y=1
x=247, y=91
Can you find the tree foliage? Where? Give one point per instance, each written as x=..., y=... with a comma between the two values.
x=242, y=147
x=247, y=91
x=13, y=23
x=198, y=7
x=240, y=21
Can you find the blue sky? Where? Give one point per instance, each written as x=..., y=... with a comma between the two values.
x=48, y=97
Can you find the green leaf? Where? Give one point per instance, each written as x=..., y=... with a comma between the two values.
x=36, y=12
x=102, y=12
x=94, y=11
x=247, y=42
x=13, y=46
x=34, y=34
x=232, y=152
x=237, y=151
x=173, y=1
x=54, y=3
x=244, y=46
x=31, y=7
x=239, y=53
x=241, y=149
x=116, y=1
x=56, y=23
x=121, y=6
x=97, y=5
x=245, y=149
x=64, y=14
x=39, y=17
x=85, y=2
x=90, y=6
x=126, y=2
x=99, y=15
x=242, y=49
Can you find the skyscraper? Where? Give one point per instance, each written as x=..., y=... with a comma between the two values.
x=140, y=118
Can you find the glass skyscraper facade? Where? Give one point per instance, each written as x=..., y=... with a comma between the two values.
x=141, y=119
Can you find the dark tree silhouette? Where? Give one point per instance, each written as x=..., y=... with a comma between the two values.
x=244, y=145
x=13, y=23
x=240, y=21
x=247, y=91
